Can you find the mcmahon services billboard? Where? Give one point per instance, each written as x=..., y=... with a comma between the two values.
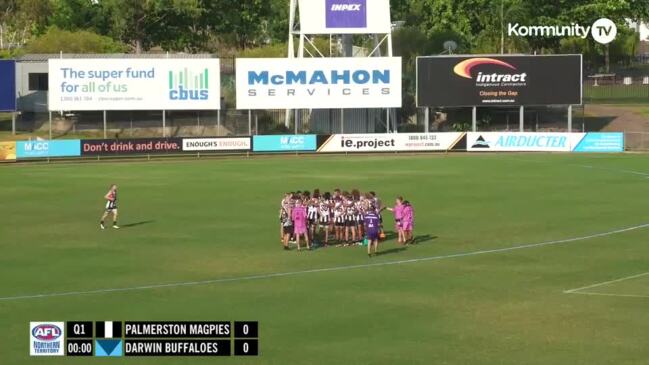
x=491, y=80
x=318, y=83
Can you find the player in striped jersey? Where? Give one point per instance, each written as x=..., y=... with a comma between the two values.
x=287, y=226
x=339, y=221
x=111, y=207
x=350, y=221
x=324, y=216
x=285, y=205
x=312, y=216
x=359, y=205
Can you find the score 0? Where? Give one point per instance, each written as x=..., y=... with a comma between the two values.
x=246, y=342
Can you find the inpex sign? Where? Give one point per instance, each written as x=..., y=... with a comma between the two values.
x=346, y=13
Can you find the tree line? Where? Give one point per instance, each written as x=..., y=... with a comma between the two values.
x=230, y=26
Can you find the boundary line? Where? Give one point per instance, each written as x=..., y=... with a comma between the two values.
x=611, y=295
x=606, y=283
x=616, y=170
x=327, y=269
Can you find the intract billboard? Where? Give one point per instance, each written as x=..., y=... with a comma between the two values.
x=491, y=80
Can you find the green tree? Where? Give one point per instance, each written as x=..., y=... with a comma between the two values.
x=56, y=40
x=79, y=14
x=34, y=13
x=493, y=38
x=145, y=23
x=277, y=22
x=244, y=23
x=7, y=24
x=400, y=9
x=20, y=20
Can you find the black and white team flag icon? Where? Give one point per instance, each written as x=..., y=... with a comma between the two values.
x=108, y=329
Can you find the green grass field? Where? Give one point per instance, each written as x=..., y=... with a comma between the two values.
x=186, y=221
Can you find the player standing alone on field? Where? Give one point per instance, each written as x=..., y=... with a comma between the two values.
x=111, y=207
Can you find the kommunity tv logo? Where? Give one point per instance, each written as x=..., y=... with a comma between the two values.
x=603, y=31
x=186, y=84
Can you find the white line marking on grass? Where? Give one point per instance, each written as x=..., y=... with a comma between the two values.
x=570, y=291
x=327, y=269
x=616, y=170
x=638, y=173
x=610, y=295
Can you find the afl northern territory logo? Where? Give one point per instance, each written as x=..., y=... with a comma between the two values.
x=46, y=338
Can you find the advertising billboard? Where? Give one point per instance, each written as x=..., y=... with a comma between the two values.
x=40, y=149
x=7, y=151
x=8, y=86
x=98, y=147
x=306, y=142
x=216, y=144
x=134, y=84
x=345, y=16
x=601, y=142
x=523, y=142
x=318, y=83
x=455, y=81
x=390, y=142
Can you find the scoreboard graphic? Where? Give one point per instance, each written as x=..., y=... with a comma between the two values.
x=128, y=338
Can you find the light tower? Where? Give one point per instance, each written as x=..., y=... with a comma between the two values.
x=365, y=21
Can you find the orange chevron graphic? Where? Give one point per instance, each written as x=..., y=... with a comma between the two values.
x=463, y=68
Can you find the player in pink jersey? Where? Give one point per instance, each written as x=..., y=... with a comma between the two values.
x=300, y=224
x=408, y=220
x=398, y=216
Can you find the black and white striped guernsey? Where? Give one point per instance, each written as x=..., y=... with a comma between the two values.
x=112, y=204
x=325, y=214
x=312, y=213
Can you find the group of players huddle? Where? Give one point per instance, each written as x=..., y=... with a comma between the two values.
x=350, y=217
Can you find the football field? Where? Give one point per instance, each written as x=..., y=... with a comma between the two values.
x=521, y=258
